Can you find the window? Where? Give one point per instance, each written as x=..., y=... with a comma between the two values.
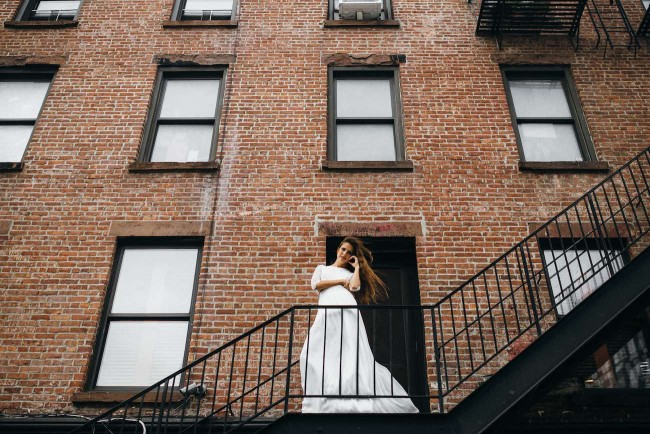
x=546, y=116
x=22, y=93
x=384, y=5
x=204, y=10
x=646, y=3
x=49, y=10
x=365, y=115
x=575, y=269
x=146, y=327
x=184, y=119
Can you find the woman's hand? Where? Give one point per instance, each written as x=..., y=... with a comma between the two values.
x=354, y=262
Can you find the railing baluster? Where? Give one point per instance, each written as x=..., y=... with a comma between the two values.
x=287, y=390
x=259, y=365
x=214, y=393
x=489, y=306
x=638, y=194
x=341, y=357
x=243, y=387
x=533, y=307
x=478, y=318
x=455, y=336
x=436, y=355
x=469, y=342
x=275, y=353
x=502, y=300
x=442, y=347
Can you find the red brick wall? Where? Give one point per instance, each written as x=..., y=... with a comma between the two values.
x=465, y=189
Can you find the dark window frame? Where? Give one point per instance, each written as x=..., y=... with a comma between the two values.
x=106, y=318
x=28, y=74
x=582, y=244
x=153, y=118
x=28, y=6
x=578, y=120
x=332, y=13
x=179, y=6
x=336, y=73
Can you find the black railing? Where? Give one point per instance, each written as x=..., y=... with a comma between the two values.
x=438, y=353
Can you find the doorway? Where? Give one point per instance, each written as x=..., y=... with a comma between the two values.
x=396, y=336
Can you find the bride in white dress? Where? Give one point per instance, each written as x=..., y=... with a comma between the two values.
x=329, y=363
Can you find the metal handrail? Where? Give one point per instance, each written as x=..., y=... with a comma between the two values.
x=463, y=338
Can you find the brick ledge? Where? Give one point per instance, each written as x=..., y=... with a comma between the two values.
x=564, y=166
x=356, y=23
x=198, y=23
x=41, y=24
x=202, y=166
x=399, y=166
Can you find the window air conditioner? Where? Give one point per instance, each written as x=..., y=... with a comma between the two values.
x=360, y=9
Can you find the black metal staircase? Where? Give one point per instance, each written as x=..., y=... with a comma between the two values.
x=610, y=19
x=549, y=295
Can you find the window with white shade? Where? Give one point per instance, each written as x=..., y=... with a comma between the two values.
x=575, y=269
x=184, y=119
x=22, y=93
x=49, y=10
x=204, y=10
x=146, y=329
x=548, y=122
x=360, y=10
x=365, y=115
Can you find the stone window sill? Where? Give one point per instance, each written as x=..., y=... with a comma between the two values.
x=356, y=23
x=93, y=396
x=41, y=24
x=201, y=166
x=11, y=167
x=199, y=23
x=359, y=166
x=564, y=166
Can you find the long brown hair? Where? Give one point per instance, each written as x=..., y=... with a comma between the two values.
x=372, y=287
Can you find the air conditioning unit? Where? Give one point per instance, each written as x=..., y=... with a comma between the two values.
x=360, y=9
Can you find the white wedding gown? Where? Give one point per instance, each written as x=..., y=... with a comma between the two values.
x=328, y=361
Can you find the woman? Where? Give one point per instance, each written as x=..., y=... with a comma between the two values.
x=329, y=363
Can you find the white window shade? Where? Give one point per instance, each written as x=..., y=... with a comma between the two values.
x=369, y=142
x=549, y=142
x=22, y=99
x=13, y=142
x=141, y=353
x=56, y=9
x=190, y=99
x=539, y=99
x=155, y=281
x=363, y=99
x=182, y=143
x=211, y=8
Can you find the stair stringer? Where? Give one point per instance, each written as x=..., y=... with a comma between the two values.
x=557, y=347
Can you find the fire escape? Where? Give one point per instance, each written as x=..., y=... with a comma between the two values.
x=608, y=19
x=503, y=338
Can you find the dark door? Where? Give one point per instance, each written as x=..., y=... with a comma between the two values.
x=396, y=335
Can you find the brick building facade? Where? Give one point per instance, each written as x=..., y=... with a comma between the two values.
x=261, y=204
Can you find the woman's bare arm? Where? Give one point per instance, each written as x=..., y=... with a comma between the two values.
x=324, y=284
